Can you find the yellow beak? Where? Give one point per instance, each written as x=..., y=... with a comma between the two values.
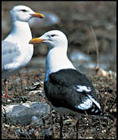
x=36, y=41
x=38, y=15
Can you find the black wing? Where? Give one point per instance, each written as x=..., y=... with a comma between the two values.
x=61, y=89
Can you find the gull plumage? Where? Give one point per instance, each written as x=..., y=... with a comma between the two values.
x=16, y=51
x=64, y=85
x=66, y=88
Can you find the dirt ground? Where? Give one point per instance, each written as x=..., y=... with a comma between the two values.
x=90, y=127
x=76, y=18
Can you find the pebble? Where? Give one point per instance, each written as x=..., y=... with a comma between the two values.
x=89, y=137
x=34, y=92
x=113, y=110
x=103, y=131
x=105, y=93
x=6, y=125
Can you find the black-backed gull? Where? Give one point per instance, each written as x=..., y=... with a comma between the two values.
x=64, y=86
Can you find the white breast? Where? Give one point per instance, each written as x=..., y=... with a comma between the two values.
x=56, y=60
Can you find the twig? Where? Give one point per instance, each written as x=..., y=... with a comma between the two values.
x=96, y=45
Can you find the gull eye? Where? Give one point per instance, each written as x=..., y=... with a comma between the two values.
x=53, y=35
x=23, y=10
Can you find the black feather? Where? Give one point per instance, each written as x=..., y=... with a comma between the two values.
x=60, y=90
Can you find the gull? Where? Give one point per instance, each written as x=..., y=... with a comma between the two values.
x=16, y=51
x=65, y=87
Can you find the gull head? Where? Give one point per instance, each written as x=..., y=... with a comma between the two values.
x=54, y=38
x=23, y=13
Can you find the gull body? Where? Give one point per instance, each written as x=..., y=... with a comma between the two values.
x=67, y=89
x=16, y=51
x=64, y=85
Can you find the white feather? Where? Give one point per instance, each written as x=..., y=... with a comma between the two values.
x=57, y=61
x=83, y=88
x=95, y=102
x=85, y=105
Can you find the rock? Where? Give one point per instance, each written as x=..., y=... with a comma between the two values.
x=102, y=72
x=23, y=113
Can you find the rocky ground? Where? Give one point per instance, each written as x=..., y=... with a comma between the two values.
x=75, y=19
x=49, y=126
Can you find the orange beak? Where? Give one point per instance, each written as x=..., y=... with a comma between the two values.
x=36, y=41
x=39, y=15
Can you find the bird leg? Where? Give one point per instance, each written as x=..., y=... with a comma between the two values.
x=61, y=126
x=21, y=84
x=53, y=131
x=6, y=90
x=77, y=123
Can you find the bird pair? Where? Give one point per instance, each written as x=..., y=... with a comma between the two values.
x=64, y=86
